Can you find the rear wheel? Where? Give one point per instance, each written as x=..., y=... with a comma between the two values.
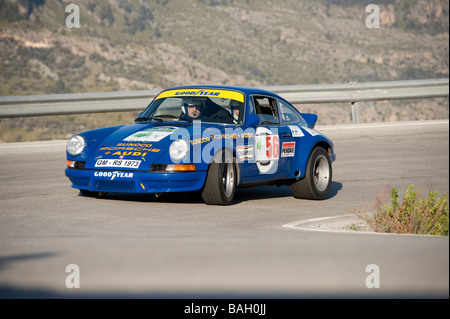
x=220, y=184
x=317, y=180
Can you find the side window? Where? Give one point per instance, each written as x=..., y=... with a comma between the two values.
x=288, y=114
x=266, y=109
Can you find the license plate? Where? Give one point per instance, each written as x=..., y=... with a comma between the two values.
x=117, y=163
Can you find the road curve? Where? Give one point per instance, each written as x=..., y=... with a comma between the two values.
x=175, y=246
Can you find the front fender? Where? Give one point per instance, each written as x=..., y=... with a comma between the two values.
x=93, y=139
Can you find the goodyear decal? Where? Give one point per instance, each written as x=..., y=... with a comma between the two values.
x=113, y=175
x=203, y=92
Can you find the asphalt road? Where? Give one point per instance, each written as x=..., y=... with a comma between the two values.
x=175, y=246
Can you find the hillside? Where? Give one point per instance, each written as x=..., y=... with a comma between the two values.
x=136, y=45
x=124, y=44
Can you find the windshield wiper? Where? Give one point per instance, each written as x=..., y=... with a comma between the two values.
x=146, y=119
x=170, y=116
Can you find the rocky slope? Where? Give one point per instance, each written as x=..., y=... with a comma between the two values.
x=139, y=45
x=124, y=44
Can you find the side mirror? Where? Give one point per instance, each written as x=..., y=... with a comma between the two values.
x=138, y=116
x=310, y=118
x=252, y=120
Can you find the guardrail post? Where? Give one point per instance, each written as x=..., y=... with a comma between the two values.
x=355, y=113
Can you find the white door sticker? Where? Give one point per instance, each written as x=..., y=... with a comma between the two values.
x=296, y=131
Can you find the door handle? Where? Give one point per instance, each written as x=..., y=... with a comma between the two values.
x=286, y=135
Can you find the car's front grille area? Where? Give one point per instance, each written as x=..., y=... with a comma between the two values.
x=158, y=168
x=75, y=164
x=119, y=186
x=79, y=164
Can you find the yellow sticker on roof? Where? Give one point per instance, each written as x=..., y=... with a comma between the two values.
x=225, y=94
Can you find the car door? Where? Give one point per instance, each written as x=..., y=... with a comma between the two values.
x=269, y=163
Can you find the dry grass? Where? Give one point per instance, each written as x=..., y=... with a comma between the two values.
x=413, y=215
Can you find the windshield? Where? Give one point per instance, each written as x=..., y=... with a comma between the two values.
x=215, y=106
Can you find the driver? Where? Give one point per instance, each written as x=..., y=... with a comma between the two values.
x=192, y=108
x=235, y=108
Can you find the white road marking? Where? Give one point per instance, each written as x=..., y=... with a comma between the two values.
x=315, y=223
x=302, y=224
x=32, y=144
x=380, y=125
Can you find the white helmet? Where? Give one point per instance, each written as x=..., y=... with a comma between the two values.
x=190, y=101
x=235, y=105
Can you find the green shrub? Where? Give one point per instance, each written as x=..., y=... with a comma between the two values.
x=413, y=215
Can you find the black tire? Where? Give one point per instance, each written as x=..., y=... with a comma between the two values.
x=220, y=184
x=317, y=180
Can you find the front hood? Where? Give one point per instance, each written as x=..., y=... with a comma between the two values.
x=137, y=146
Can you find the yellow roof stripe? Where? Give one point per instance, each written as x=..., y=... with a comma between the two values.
x=203, y=92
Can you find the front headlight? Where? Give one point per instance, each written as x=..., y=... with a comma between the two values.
x=178, y=150
x=76, y=145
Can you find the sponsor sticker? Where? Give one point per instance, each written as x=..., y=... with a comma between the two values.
x=129, y=149
x=296, y=131
x=154, y=134
x=226, y=94
x=207, y=139
x=118, y=163
x=245, y=152
x=311, y=131
x=288, y=149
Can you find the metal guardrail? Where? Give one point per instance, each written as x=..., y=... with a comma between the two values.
x=79, y=103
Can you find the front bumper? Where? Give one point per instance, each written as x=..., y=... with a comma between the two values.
x=127, y=181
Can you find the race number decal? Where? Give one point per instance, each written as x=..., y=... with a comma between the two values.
x=267, y=150
x=268, y=147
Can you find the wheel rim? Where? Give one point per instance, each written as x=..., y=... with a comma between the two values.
x=321, y=173
x=228, y=179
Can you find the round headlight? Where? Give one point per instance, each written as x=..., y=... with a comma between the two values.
x=178, y=150
x=76, y=145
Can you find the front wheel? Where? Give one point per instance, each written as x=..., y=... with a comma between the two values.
x=317, y=180
x=220, y=184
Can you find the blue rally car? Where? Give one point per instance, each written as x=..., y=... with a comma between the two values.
x=212, y=139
